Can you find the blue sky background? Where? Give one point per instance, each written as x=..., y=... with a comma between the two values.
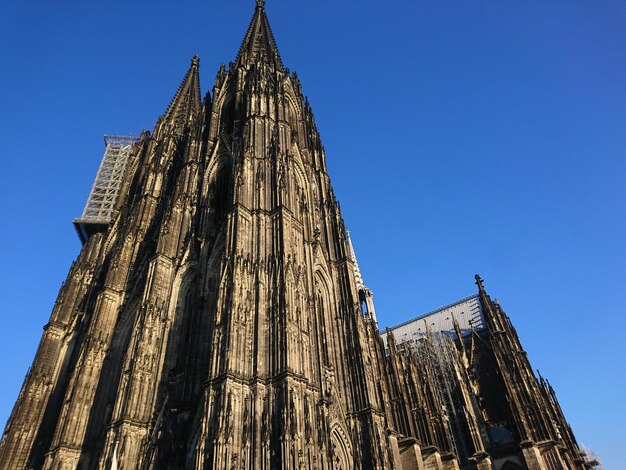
x=462, y=137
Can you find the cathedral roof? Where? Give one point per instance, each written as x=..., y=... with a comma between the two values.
x=468, y=313
x=259, y=39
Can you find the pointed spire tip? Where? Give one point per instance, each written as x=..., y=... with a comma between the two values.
x=186, y=101
x=259, y=42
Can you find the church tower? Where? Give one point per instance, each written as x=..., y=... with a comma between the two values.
x=215, y=320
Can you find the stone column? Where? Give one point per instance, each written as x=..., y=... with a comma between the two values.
x=482, y=461
x=410, y=454
x=395, y=451
x=450, y=462
x=432, y=458
x=532, y=456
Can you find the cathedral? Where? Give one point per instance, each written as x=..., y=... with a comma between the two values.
x=216, y=316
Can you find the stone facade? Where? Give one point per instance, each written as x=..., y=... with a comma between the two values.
x=219, y=321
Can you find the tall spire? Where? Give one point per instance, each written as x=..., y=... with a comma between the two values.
x=186, y=103
x=259, y=40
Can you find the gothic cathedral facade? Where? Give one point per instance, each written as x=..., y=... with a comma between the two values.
x=216, y=318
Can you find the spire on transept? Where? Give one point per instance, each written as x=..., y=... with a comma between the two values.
x=357, y=272
x=259, y=39
x=366, y=297
x=490, y=308
x=480, y=283
x=187, y=100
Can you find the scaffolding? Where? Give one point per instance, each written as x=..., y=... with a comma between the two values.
x=100, y=207
x=437, y=355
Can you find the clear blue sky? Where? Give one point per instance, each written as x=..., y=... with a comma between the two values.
x=462, y=137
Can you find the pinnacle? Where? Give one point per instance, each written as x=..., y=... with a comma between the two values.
x=259, y=42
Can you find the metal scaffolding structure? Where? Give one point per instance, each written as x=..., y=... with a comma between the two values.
x=99, y=210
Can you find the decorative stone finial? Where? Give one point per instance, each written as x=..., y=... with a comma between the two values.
x=479, y=282
x=260, y=3
x=195, y=60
